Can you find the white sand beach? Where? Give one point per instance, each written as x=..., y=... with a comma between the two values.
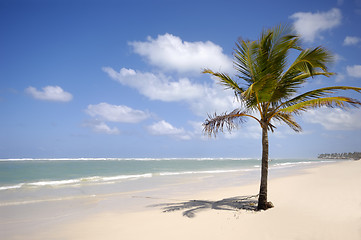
x=318, y=203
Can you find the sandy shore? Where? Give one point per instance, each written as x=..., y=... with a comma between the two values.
x=320, y=203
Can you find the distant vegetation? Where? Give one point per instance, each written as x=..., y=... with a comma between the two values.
x=354, y=155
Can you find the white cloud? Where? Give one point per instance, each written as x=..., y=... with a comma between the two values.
x=354, y=71
x=310, y=25
x=338, y=57
x=197, y=127
x=339, y=77
x=197, y=130
x=351, y=41
x=283, y=131
x=335, y=119
x=116, y=113
x=248, y=130
x=102, y=127
x=165, y=128
x=170, y=52
x=202, y=98
x=156, y=86
x=50, y=93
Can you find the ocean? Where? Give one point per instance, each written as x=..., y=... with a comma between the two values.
x=67, y=172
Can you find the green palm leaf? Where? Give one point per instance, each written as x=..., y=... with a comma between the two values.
x=226, y=81
x=289, y=120
x=317, y=93
x=341, y=102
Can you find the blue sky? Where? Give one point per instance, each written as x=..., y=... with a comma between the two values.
x=123, y=78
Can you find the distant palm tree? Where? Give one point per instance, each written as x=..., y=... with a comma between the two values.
x=267, y=87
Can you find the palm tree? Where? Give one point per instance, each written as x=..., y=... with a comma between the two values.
x=267, y=86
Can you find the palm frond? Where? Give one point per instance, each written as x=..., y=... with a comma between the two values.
x=269, y=60
x=291, y=83
x=304, y=76
x=260, y=90
x=341, y=102
x=230, y=121
x=309, y=63
x=317, y=93
x=310, y=60
x=226, y=81
x=284, y=39
x=289, y=120
x=244, y=54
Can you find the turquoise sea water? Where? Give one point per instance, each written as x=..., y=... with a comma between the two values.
x=40, y=173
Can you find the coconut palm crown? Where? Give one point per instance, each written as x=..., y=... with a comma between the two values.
x=267, y=86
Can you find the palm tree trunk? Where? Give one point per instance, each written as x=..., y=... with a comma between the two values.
x=262, y=199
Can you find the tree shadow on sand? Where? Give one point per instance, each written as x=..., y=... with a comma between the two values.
x=193, y=206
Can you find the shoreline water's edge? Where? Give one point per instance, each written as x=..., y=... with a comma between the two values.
x=39, y=173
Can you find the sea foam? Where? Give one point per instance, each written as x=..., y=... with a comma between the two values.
x=70, y=182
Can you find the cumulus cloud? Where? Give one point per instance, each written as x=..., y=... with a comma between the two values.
x=165, y=128
x=335, y=119
x=351, y=41
x=116, y=113
x=197, y=127
x=156, y=86
x=102, y=127
x=310, y=25
x=202, y=98
x=339, y=77
x=245, y=132
x=50, y=93
x=171, y=53
x=354, y=71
